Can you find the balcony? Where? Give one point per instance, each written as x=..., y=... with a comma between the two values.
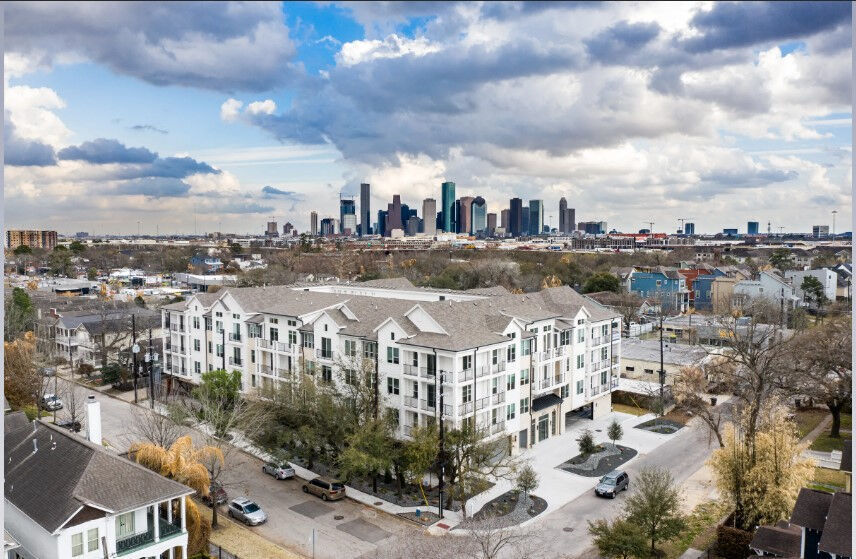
x=411, y=370
x=462, y=376
x=482, y=403
x=180, y=350
x=465, y=408
x=283, y=347
x=408, y=429
x=427, y=405
x=138, y=541
x=235, y=337
x=498, y=367
x=497, y=427
x=598, y=341
x=425, y=372
x=177, y=328
x=614, y=382
x=237, y=361
x=321, y=354
x=498, y=398
x=545, y=383
x=616, y=336
x=411, y=402
x=262, y=343
x=482, y=370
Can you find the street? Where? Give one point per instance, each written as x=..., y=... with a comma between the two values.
x=342, y=529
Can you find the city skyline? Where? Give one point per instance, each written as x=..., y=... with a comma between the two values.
x=640, y=112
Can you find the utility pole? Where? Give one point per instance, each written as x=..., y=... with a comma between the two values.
x=442, y=449
x=134, y=353
x=151, y=371
x=833, y=223
x=223, y=337
x=662, y=370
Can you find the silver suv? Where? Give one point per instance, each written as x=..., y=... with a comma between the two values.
x=612, y=483
x=247, y=512
x=279, y=471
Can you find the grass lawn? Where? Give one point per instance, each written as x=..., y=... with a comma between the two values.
x=846, y=422
x=700, y=532
x=825, y=443
x=808, y=419
x=828, y=480
x=633, y=410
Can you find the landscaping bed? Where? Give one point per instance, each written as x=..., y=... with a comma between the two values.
x=661, y=425
x=599, y=463
x=508, y=510
x=425, y=518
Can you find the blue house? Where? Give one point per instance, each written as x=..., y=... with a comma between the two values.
x=663, y=284
x=703, y=289
x=205, y=264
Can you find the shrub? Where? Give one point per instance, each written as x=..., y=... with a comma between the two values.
x=31, y=411
x=85, y=369
x=586, y=442
x=732, y=543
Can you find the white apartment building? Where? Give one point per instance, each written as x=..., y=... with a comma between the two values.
x=67, y=497
x=516, y=364
x=826, y=276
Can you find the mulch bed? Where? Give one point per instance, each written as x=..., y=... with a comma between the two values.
x=660, y=425
x=425, y=518
x=606, y=464
x=501, y=508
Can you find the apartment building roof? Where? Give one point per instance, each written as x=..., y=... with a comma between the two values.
x=54, y=476
x=673, y=354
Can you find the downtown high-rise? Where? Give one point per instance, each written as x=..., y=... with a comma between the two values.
x=365, y=209
x=447, y=209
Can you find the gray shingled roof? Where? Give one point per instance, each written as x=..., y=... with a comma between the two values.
x=847, y=457
x=837, y=535
x=67, y=472
x=781, y=540
x=811, y=508
x=388, y=283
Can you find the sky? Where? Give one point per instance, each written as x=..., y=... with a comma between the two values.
x=192, y=117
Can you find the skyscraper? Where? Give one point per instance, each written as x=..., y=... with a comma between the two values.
x=465, y=205
x=563, y=216
x=381, y=223
x=448, y=207
x=524, y=222
x=689, y=228
x=536, y=217
x=570, y=220
x=393, y=216
x=272, y=229
x=429, y=216
x=503, y=219
x=515, y=217
x=313, y=223
x=491, y=223
x=752, y=228
x=478, y=216
x=365, y=209
x=347, y=206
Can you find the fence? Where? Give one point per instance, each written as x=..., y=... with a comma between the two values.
x=217, y=552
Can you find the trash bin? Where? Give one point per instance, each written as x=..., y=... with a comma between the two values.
x=418, y=513
x=713, y=400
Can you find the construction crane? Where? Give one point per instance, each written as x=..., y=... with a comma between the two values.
x=682, y=220
x=650, y=226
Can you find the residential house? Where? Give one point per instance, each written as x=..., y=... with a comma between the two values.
x=770, y=287
x=515, y=365
x=826, y=276
x=205, y=264
x=68, y=497
x=845, y=279
x=664, y=284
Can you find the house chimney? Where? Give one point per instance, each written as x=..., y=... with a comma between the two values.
x=35, y=446
x=93, y=420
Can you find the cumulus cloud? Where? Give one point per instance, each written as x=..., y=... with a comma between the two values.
x=271, y=192
x=266, y=107
x=22, y=152
x=230, y=110
x=223, y=46
x=103, y=150
x=153, y=187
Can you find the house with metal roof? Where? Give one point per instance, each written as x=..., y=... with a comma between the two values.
x=514, y=364
x=67, y=497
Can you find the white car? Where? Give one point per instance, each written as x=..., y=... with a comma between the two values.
x=51, y=402
x=247, y=512
x=279, y=471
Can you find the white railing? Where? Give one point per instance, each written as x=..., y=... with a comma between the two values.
x=408, y=429
x=597, y=341
x=482, y=370
x=233, y=361
x=498, y=367
x=283, y=347
x=498, y=398
x=497, y=427
x=234, y=337
x=411, y=402
x=616, y=336
x=424, y=372
x=262, y=343
x=321, y=354
x=482, y=403
x=425, y=405
x=465, y=408
x=411, y=370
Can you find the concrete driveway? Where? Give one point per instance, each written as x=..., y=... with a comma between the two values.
x=292, y=514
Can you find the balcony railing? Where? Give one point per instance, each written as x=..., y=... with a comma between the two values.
x=544, y=383
x=497, y=427
x=482, y=403
x=235, y=361
x=408, y=429
x=235, y=337
x=465, y=408
x=182, y=350
x=598, y=340
x=425, y=372
x=284, y=347
x=498, y=398
x=482, y=370
x=614, y=383
x=426, y=405
x=262, y=343
x=177, y=327
x=321, y=354
x=138, y=541
x=411, y=402
x=411, y=370
x=461, y=376
x=498, y=367
x=616, y=336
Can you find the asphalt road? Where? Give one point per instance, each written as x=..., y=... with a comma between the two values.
x=360, y=531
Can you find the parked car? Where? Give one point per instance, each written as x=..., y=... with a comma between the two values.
x=247, y=511
x=48, y=371
x=51, y=402
x=216, y=495
x=612, y=483
x=70, y=425
x=279, y=471
x=326, y=488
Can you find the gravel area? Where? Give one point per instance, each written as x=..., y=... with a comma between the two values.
x=425, y=518
x=606, y=460
x=509, y=509
x=660, y=425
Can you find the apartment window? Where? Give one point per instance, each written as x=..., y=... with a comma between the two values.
x=604, y=330
x=236, y=355
x=493, y=416
x=210, y=347
x=274, y=334
x=326, y=348
x=220, y=350
x=197, y=367
x=77, y=544
x=467, y=362
x=603, y=377
x=511, y=353
x=494, y=357
x=370, y=350
x=392, y=336
x=509, y=383
x=308, y=340
x=124, y=525
x=350, y=348
x=196, y=345
x=326, y=373
x=392, y=355
x=564, y=391
x=467, y=393
x=494, y=385
x=196, y=323
x=545, y=371
x=253, y=380
x=509, y=412
x=604, y=353
x=414, y=359
x=391, y=385
x=351, y=377
x=649, y=371
x=524, y=377
x=273, y=320
x=581, y=335
x=579, y=387
x=218, y=314
x=252, y=356
x=292, y=337
x=414, y=391
x=581, y=361
x=432, y=396
x=525, y=347
x=208, y=323
x=565, y=337
x=629, y=369
x=524, y=405
x=92, y=540
x=292, y=323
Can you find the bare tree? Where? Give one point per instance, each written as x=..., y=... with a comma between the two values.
x=153, y=427
x=112, y=331
x=692, y=394
x=73, y=403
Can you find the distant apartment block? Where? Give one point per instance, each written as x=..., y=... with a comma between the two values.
x=33, y=238
x=752, y=228
x=819, y=231
x=515, y=365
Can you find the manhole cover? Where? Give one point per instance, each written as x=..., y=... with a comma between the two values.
x=338, y=517
x=598, y=430
x=568, y=529
x=378, y=503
